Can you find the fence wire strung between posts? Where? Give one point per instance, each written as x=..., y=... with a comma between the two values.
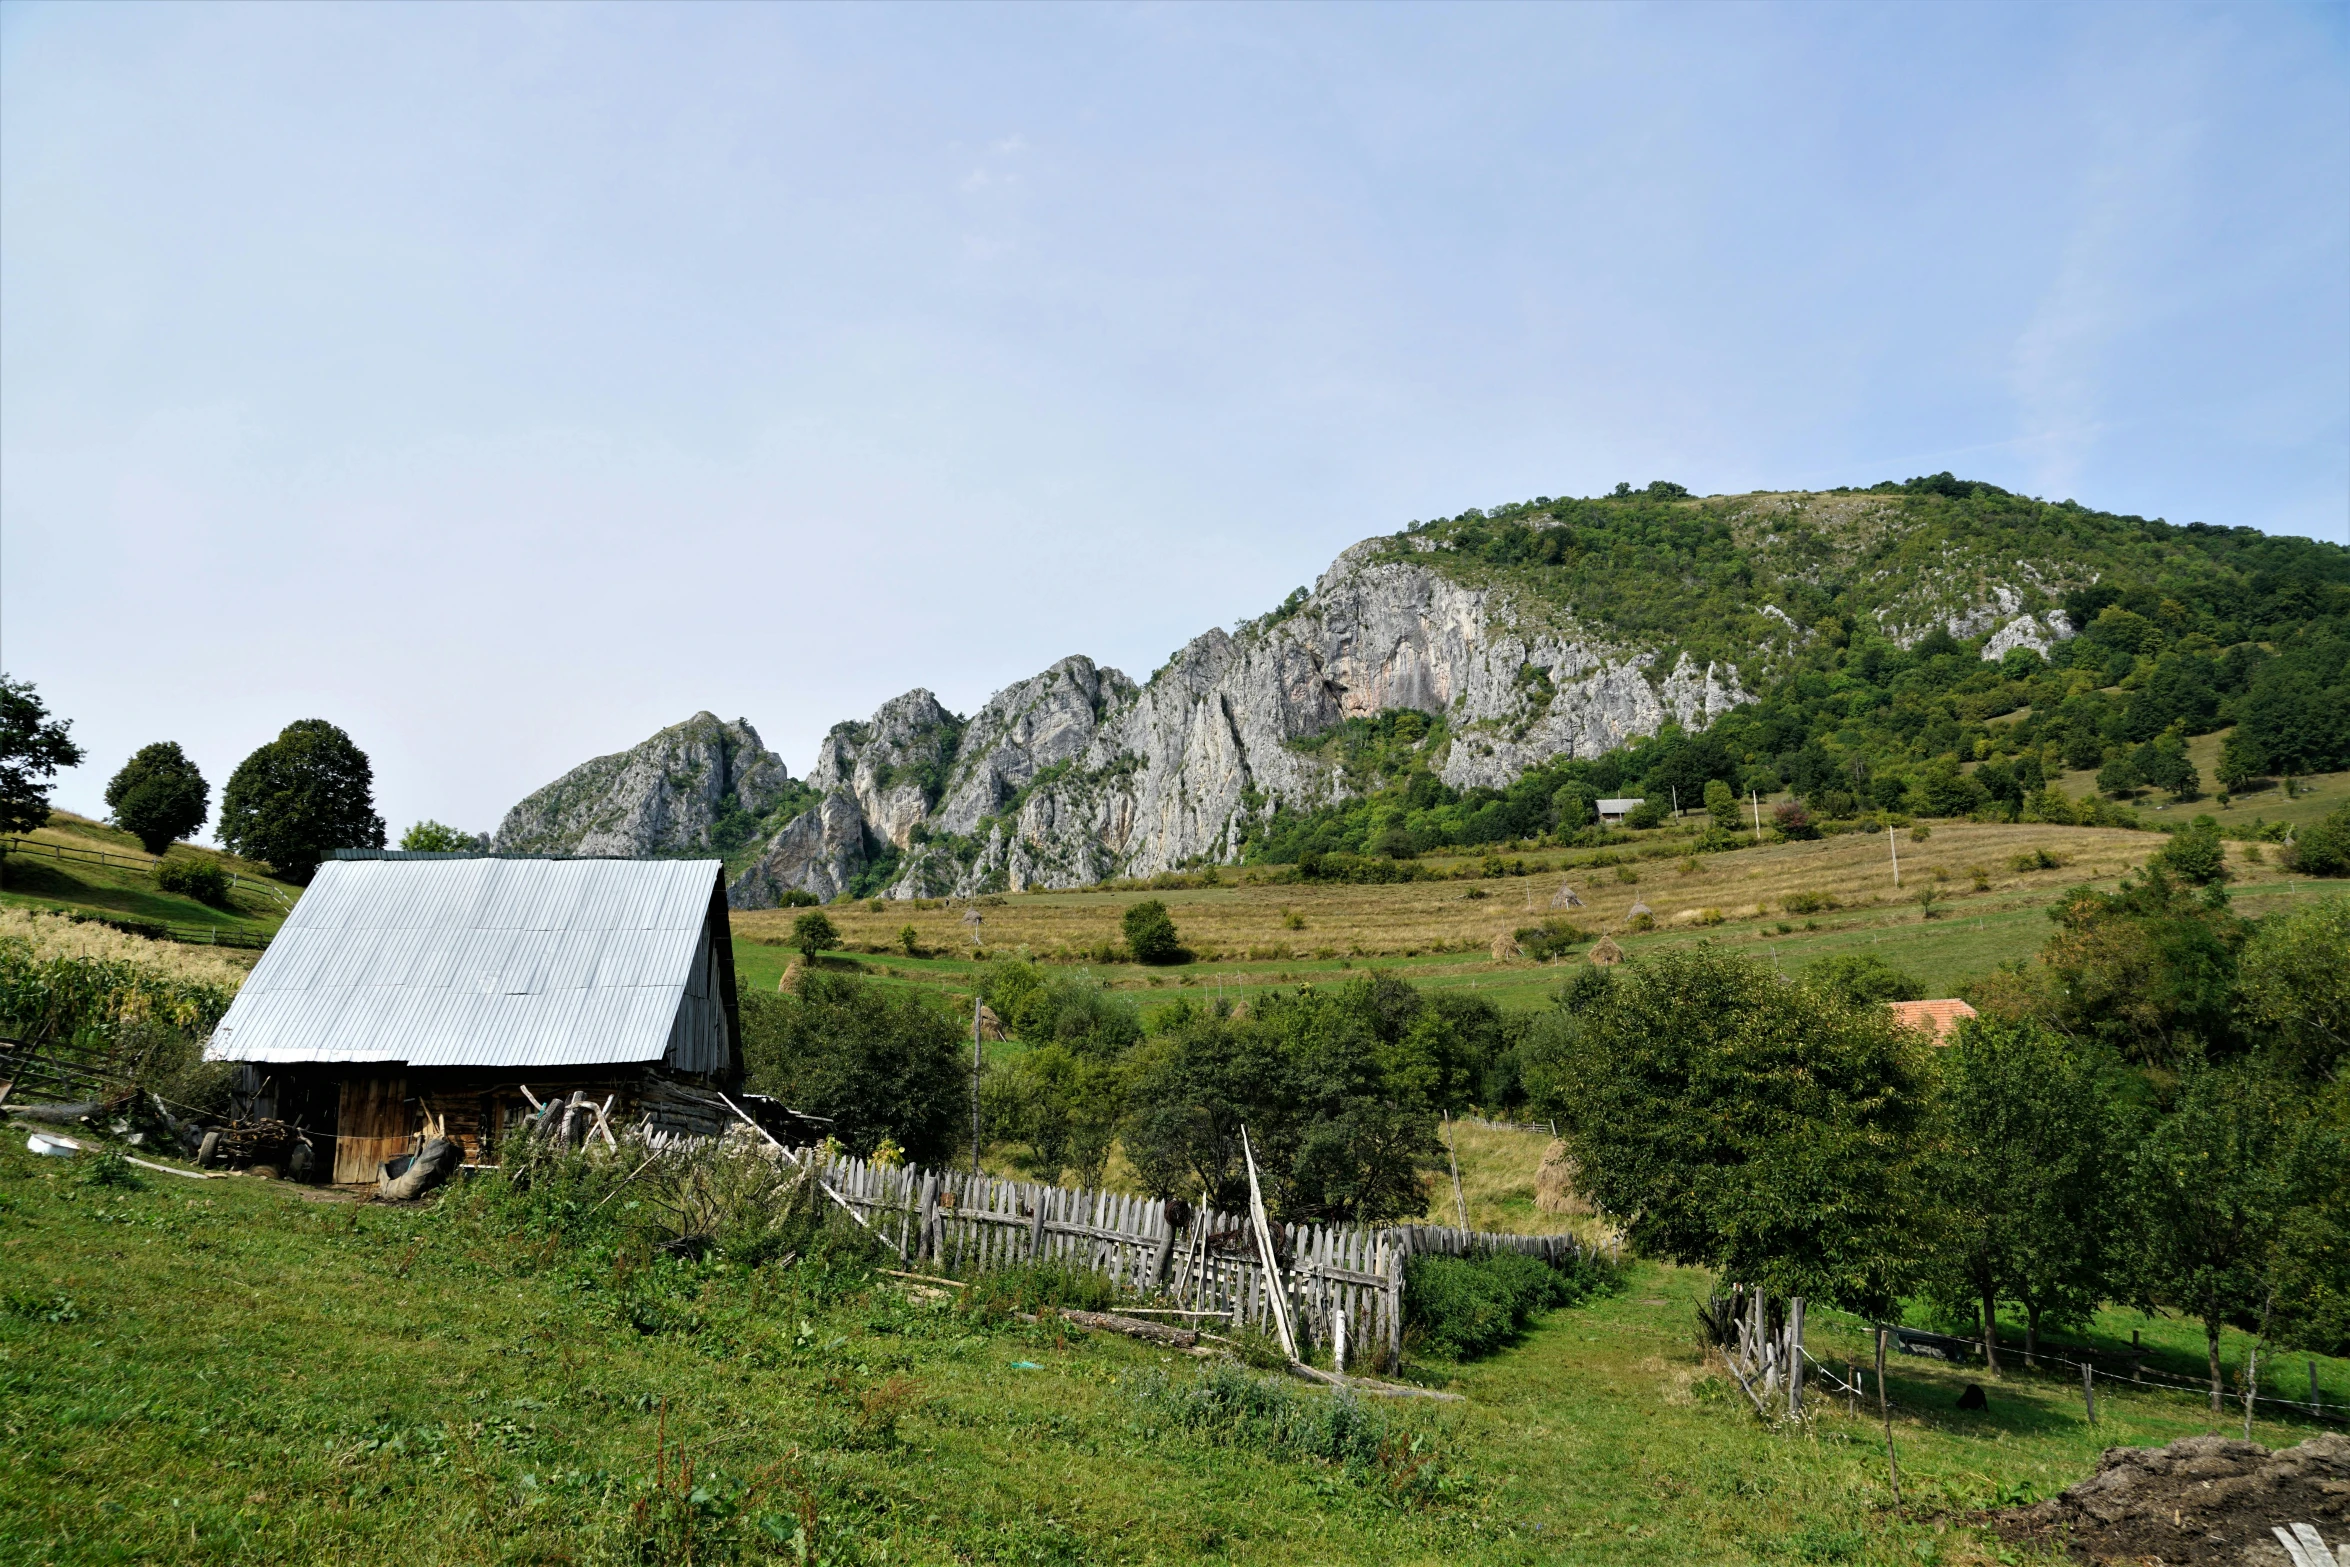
x=1199, y=1259
x=1760, y=1338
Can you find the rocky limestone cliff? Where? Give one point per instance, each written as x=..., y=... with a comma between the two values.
x=1079, y=774
x=663, y=797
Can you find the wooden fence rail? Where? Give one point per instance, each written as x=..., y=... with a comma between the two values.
x=1210, y=1262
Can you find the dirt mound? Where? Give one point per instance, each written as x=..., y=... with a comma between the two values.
x=2207, y=1499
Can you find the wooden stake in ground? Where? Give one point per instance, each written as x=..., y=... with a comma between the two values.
x=1795, y=1358
x=976, y=1003
x=1460, y=1203
x=1275, y=1295
x=1885, y=1408
x=2089, y=1390
x=1896, y=848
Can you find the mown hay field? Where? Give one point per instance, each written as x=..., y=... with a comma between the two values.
x=1788, y=903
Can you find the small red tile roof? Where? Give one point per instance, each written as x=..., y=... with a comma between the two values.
x=1938, y=1018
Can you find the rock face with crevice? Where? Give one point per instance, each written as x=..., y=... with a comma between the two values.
x=664, y=797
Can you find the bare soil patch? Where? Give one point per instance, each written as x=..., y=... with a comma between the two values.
x=2206, y=1499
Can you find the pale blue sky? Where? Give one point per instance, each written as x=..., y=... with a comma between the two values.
x=503, y=383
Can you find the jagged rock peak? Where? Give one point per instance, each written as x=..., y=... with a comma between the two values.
x=662, y=797
x=895, y=764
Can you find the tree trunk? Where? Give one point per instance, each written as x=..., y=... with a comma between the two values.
x=2031, y=1336
x=1990, y=1330
x=2211, y=1338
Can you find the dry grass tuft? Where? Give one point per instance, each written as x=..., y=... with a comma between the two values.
x=56, y=936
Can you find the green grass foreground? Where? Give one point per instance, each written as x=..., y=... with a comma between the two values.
x=239, y=1371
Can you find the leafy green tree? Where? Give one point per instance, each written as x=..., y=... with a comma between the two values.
x=2222, y=1182
x=1194, y=1089
x=1150, y=933
x=1943, y=790
x=812, y=933
x=878, y=1064
x=1063, y=1106
x=2147, y=970
x=32, y=747
x=2119, y=775
x=2196, y=855
x=1721, y=805
x=2162, y=763
x=431, y=837
x=1771, y=1131
x=159, y=797
x=2294, y=988
x=304, y=794
x=2025, y=1179
x=1862, y=978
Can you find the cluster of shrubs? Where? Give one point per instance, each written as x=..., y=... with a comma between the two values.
x=1550, y=939
x=1458, y=1308
x=198, y=879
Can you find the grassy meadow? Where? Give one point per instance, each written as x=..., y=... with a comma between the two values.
x=124, y=887
x=245, y=1371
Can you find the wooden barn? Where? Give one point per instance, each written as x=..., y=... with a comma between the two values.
x=463, y=987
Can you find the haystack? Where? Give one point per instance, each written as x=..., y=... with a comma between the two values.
x=1606, y=953
x=1554, y=1184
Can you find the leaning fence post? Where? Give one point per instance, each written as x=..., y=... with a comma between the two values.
x=1795, y=1357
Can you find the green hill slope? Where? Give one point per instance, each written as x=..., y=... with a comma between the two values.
x=78, y=866
x=1862, y=622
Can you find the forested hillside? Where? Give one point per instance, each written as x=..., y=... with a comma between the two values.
x=1938, y=648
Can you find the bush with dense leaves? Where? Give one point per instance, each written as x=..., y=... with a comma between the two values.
x=2195, y=855
x=1150, y=933
x=198, y=879
x=876, y=1061
x=2322, y=849
x=1459, y=1308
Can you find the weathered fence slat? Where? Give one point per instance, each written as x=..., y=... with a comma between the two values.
x=966, y=1224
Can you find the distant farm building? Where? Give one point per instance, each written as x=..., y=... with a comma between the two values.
x=456, y=989
x=1938, y=1020
x=1613, y=812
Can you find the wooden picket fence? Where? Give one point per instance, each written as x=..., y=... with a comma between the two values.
x=1210, y=1263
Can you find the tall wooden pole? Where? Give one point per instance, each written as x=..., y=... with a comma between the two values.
x=1885, y=1408
x=976, y=1003
x=1896, y=848
x=1460, y=1203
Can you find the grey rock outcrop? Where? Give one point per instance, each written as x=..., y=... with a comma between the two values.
x=819, y=852
x=660, y=798
x=1079, y=774
x=894, y=764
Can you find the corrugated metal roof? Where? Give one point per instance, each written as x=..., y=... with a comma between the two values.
x=477, y=962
